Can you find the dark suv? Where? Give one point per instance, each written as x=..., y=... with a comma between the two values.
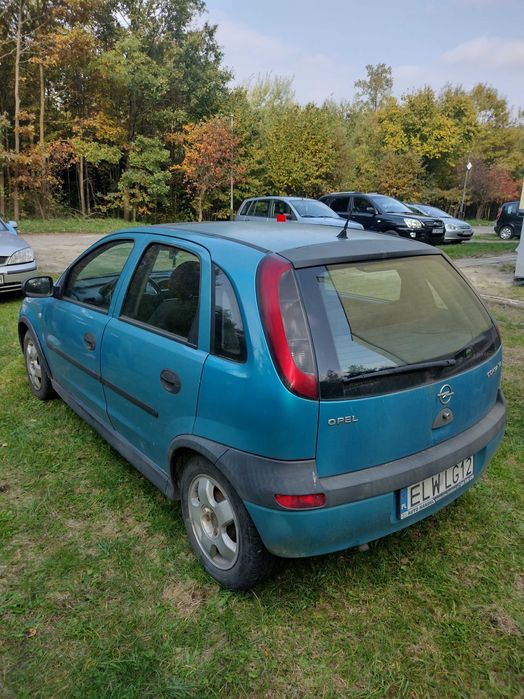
x=377, y=212
x=509, y=220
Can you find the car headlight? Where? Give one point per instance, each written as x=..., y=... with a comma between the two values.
x=413, y=223
x=21, y=256
x=451, y=227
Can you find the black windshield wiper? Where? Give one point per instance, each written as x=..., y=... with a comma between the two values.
x=405, y=369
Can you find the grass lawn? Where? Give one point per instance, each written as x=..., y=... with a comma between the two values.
x=72, y=225
x=479, y=249
x=100, y=595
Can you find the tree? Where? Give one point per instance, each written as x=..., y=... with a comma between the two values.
x=299, y=151
x=377, y=88
x=401, y=175
x=145, y=183
x=210, y=159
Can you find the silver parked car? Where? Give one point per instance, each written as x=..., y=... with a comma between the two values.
x=17, y=259
x=455, y=230
x=292, y=209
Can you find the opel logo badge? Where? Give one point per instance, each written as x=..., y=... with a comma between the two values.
x=445, y=394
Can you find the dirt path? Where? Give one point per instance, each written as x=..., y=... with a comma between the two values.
x=55, y=252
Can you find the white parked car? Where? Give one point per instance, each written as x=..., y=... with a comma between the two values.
x=17, y=259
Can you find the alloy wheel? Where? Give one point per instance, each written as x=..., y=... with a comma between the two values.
x=213, y=521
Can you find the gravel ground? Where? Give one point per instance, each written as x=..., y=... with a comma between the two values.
x=55, y=252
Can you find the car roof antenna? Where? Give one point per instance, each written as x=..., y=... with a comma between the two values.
x=343, y=233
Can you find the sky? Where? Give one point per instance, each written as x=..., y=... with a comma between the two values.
x=324, y=45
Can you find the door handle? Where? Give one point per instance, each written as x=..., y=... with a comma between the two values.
x=170, y=381
x=90, y=341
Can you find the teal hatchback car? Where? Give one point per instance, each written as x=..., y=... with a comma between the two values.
x=301, y=390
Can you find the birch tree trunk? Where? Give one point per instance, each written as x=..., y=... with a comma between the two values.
x=43, y=160
x=16, y=203
x=81, y=186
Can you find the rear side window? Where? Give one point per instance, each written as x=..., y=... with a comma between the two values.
x=383, y=317
x=228, y=330
x=244, y=208
x=511, y=209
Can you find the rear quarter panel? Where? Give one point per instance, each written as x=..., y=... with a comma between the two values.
x=245, y=405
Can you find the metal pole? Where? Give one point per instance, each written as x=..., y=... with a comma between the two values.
x=231, y=212
x=461, y=210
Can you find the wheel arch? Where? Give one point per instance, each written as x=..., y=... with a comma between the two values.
x=183, y=448
x=25, y=326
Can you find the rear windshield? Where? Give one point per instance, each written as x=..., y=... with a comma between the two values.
x=385, y=325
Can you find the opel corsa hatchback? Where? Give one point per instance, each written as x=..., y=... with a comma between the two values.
x=301, y=396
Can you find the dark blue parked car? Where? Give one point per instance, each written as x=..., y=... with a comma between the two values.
x=301, y=392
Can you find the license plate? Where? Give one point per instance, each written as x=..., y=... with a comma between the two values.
x=425, y=493
x=438, y=230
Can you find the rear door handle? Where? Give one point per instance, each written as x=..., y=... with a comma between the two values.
x=170, y=381
x=90, y=341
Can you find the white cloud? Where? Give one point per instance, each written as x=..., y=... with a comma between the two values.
x=316, y=76
x=492, y=51
x=493, y=60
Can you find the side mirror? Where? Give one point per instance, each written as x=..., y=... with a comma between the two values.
x=38, y=287
x=370, y=210
x=13, y=224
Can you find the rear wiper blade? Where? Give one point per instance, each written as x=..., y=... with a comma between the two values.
x=404, y=369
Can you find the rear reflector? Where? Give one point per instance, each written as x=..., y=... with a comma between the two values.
x=301, y=502
x=285, y=325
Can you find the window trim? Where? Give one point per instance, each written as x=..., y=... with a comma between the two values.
x=212, y=348
x=68, y=271
x=151, y=328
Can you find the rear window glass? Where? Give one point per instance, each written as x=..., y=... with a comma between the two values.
x=373, y=317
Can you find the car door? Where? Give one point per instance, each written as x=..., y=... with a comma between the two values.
x=155, y=347
x=363, y=211
x=340, y=204
x=75, y=322
x=259, y=210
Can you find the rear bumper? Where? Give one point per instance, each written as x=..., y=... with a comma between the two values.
x=317, y=532
x=360, y=505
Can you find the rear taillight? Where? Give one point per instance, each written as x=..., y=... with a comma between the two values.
x=301, y=502
x=499, y=212
x=285, y=326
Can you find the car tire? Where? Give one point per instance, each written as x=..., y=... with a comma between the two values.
x=506, y=232
x=219, y=527
x=37, y=376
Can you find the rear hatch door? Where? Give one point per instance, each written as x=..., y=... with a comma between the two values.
x=399, y=343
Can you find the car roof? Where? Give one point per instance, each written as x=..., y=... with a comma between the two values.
x=302, y=244
x=280, y=196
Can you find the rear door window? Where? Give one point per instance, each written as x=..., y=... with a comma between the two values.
x=164, y=292
x=260, y=208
